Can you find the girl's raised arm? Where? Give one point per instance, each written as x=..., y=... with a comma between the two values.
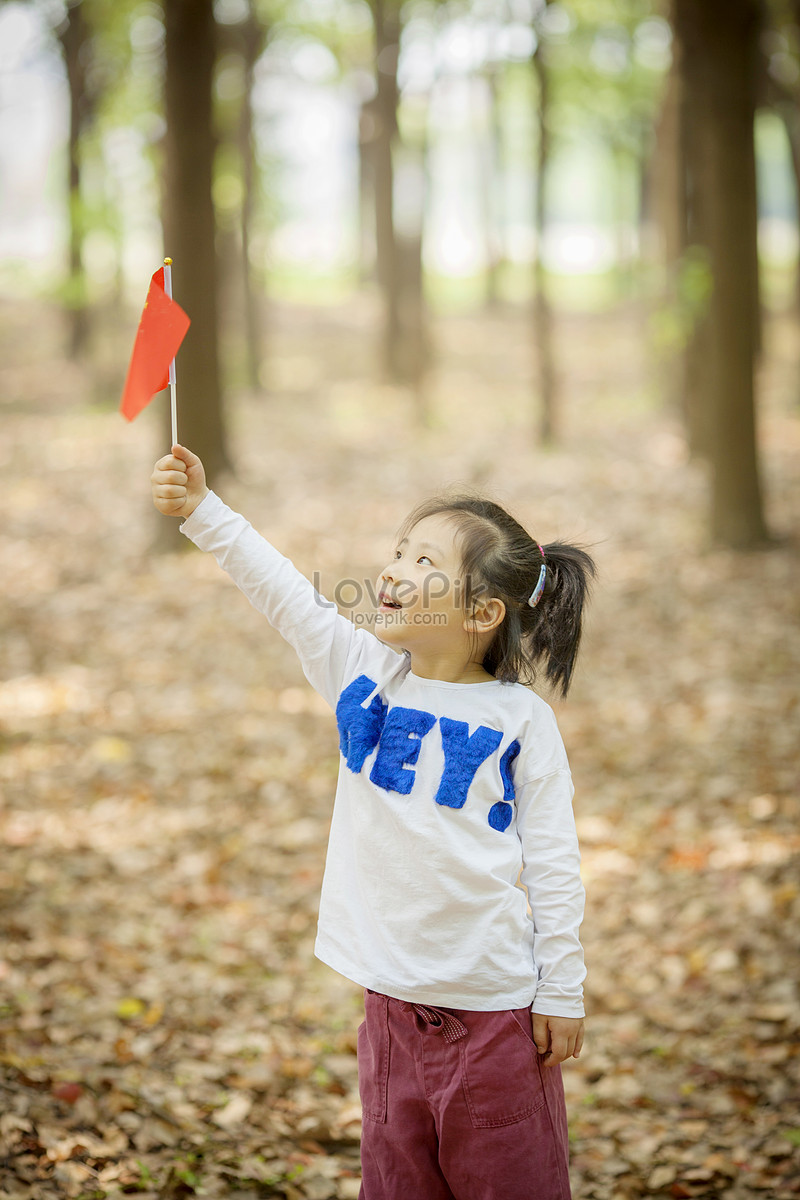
x=323, y=639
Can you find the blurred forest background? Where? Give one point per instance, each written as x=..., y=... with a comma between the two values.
x=545, y=247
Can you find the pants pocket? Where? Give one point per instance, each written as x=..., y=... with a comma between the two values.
x=500, y=1068
x=373, y=1057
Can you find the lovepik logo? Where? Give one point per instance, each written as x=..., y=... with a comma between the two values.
x=352, y=593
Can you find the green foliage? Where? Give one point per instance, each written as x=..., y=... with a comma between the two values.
x=606, y=61
x=146, y=1181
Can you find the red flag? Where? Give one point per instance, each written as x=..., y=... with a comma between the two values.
x=162, y=328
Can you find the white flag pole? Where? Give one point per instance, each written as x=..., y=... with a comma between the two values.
x=172, y=384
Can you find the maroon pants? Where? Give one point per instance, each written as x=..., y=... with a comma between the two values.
x=457, y=1106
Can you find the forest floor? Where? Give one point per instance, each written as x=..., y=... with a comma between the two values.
x=167, y=774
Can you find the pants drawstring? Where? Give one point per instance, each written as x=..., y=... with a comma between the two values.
x=440, y=1018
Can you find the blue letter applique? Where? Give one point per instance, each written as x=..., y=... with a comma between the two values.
x=463, y=754
x=401, y=741
x=359, y=727
x=398, y=732
x=500, y=814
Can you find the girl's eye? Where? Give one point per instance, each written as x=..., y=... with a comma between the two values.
x=424, y=559
x=398, y=554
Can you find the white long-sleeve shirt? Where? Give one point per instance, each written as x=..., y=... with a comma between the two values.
x=449, y=796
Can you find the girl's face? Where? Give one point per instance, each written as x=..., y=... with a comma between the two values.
x=420, y=591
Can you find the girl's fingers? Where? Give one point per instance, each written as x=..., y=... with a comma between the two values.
x=183, y=454
x=560, y=1048
x=178, y=477
x=557, y=1038
x=169, y=507
x=541, y=1033
x=170, y=463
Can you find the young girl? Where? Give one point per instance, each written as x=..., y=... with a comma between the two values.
x=453, y=789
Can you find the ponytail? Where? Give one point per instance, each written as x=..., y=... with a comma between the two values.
x=555, y=624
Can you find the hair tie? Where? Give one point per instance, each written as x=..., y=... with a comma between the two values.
x=536, y=594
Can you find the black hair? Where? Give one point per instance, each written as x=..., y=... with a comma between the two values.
x=501, y=559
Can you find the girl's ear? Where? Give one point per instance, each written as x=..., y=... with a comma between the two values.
x=488, y=614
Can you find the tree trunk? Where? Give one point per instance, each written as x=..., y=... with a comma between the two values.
x=665, y=205
x=785, y=103
x=367, y=205
x=542, y=311
x=412, y=348
x=665, y=188
x=387, y=49
x=626, y=254
x=412, y=353
x=718, y=41
x=783, y=97
x=189, y=225
x=252, y=43
x=491, y=179
x=793, y=134
x=692, y=283
x=75, y=40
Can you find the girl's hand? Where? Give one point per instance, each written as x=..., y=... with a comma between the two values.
x=179, y=483
x=557, y=1038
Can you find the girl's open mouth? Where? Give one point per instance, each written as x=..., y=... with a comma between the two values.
x=386, y=602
